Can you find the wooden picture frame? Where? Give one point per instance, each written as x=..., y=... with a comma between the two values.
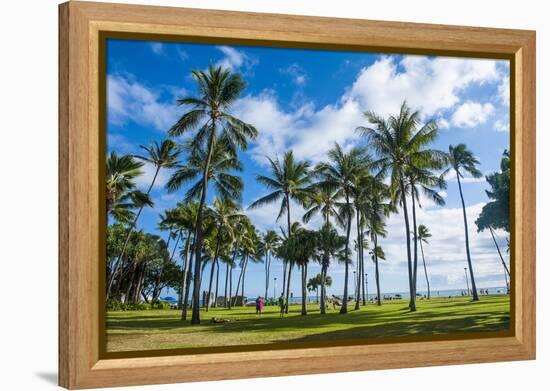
x=81, y=364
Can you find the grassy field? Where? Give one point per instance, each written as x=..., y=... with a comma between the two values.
x=163, y=329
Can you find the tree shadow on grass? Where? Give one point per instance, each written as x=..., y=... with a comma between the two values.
x=468, y=324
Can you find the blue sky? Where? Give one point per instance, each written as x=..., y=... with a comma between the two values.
x=306, y=100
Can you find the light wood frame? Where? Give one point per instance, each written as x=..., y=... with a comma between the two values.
x=80, y=24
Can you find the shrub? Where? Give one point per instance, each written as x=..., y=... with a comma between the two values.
x=115, y=305
x=161, y=305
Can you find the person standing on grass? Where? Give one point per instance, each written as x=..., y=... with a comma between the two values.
x=259, y=305
x=282, y=305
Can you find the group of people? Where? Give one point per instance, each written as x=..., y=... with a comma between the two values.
x=260, y=303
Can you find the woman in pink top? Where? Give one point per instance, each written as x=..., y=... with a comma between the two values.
x=259, y=305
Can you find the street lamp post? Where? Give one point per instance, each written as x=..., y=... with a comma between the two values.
x=467, y=283
x=355, y=284
x=274, y=287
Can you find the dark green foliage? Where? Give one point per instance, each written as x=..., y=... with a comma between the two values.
x=496, y=213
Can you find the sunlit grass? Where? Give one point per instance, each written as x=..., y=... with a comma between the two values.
x=163, y=329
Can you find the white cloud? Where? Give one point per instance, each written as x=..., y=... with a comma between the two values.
x=451, y=177
x=504, y=91
x=182, y=54
x=144, y=181
x=309, y=133
x=502, y=126
x=297, y=73
x=234, y=59
x=129, y=100
x=432, y=85
x=428, y=84
x=157, y=47
x=471, y=114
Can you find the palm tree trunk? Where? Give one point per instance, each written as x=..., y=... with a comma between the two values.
x=415, y=243
x=187, y=284
x=130, y=231
x=139, y=284
x=217, y=282
x=499, y=253
x=231, y=276
x=323, y=293
x=184, y=270
x=475, y=297
x=358, y=278
x=195, y=317
x=363, y=268
x=288, y=286
x=304, y=289
x=344, y=309
x=376, y=272
x=237, y=287
x=210, y=285
x=266, y=273
x=425, y=270
x=284, y=276
x=226, y=280
x=290, y=263
x=412, y=301
x=243, y=280
x=230, y=286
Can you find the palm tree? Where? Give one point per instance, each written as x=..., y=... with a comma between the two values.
x=121, y=196
x=423, y=236
x=163, y=155
x=289, y=181
x=319, y=282
x=225, y=214
x=186, y=218
x=340, y=174
x=377, y=253
x=329, y=245
x=321, y=200
x=268, y=245
x=399, y=145
x=299, y=249
x=421, y=179
x=247, y=251
x=209, y=114
x=461, y=160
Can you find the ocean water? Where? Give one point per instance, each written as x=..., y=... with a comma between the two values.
x=405, y=295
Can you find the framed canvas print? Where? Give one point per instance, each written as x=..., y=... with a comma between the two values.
x=247, y=195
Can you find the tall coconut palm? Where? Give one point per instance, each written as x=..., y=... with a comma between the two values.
x=399, y=143
x=186, y=217
x=224, y=165
x=340, y=174
x=210, y=119
x=423, y=236
x=225, y=214
x=247, y=251
x=268, y=246
x=360, y=192
x=420, y=179
x=461, y=160
x=323, y=201
x=329, y=245
x=304, y=247
x=289, y=180
x=121, y=196
x=163, y=155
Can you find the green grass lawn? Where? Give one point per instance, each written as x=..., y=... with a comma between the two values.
x=163, y=329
